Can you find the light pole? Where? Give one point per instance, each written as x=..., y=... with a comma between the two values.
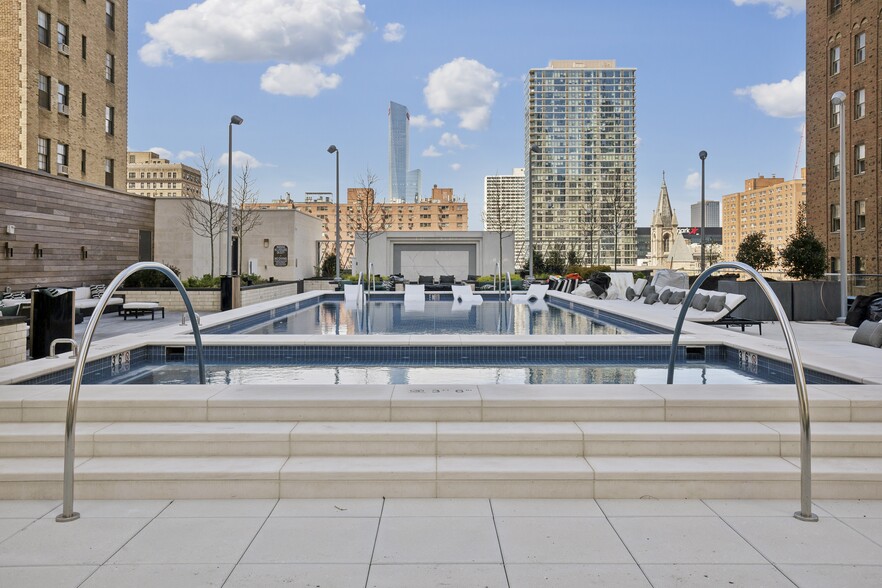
x=333, y=149
x=702, y=155
x=534, y=148
x=838, y=99
x=234, y=120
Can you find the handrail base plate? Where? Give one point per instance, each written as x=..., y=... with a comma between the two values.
x=811, y=518
x=63, y=519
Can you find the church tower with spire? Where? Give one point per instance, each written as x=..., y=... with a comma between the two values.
x=667, y=247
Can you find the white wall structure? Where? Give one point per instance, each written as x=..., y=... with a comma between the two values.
x=281, y=246
x=434, y=253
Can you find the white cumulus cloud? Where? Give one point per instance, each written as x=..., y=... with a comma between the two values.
x=393, y=32
x=289, y=184
x=784, y=99
x=455, y=166
x=780, y=8
x=421, y=121
x=430, y=151
x=187, y=154
x=465, y=87
x=295, y=33
x=450, y=140
x=693, y=181
x=291, y=79
x=240, y=158
x=162, y=152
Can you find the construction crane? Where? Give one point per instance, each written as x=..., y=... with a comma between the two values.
x=796, y=174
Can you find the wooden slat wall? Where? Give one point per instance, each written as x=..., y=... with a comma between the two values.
x=62, y=216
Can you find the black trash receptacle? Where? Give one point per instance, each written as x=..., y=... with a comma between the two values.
x=52, y=317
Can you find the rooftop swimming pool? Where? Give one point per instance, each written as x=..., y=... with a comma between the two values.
x=436, y=365
x=439, y=315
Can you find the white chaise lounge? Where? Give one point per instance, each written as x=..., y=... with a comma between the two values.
x=464, y=295
x=535, y=292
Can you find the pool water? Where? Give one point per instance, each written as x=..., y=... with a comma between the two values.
x=438, y=317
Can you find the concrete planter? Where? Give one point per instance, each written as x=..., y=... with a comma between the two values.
x=815, y=300
x=757, y=307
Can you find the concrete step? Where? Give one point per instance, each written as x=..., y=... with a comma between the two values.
x=268, y=438
x=454, y=476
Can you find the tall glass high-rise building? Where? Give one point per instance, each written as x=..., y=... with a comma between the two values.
x=399, y=150
x=580, y=115
x=414, y=185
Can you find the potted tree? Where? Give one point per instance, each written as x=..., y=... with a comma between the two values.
x=804, y=258
x=756, y=252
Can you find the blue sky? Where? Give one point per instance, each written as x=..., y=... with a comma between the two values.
x=726, y=76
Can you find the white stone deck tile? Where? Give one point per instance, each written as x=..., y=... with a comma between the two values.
x=827, y=431
x=107, y=395
x=852, y=508
x=34, y=432
x=328, y=507
x=183, y=432
x=538, y=507
x=181, y=468
x=290, y=575
x=786, y=540
x=363, y=431
x=186, y=541
x=317, y=540
x=33, y=509
x=21, y=469
x=612, y=507
x=870, y=528
x=9, y=527
x=844, y=468
x=359, y=468
x=165, y=575
x=232, y=508
x=431, y=340
x=509, y=432
x=459, y=575
x=742, y=395
x=437, y=540
x=83, y=542
x=575, y=575
x=688, y=468
x=676, y=431
x=437, y=507
x=357, y=340
x=439, y=394
x=760, y=507
x=609, y=395
x=67, y=576
x=683, y=540
x=114, y=509
x=703, y=575
x=304, y=395
x=825, y=576
x=513, y=468
x=556, y=540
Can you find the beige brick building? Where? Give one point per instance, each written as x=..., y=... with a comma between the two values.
x=64, y=80
x=842, y=54
x=150, y=175
x=768, y=205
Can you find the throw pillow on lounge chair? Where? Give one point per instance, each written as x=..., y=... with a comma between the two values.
x=651, y=298
x=665, y=296
x=629, y=293
x=649, y=290
x=676, y=297
x=613, y=293
x=716, y=303
x=869, y=333
x=699, y=301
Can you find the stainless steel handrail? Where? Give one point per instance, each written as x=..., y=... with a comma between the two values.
x=73, y=347
x=805, y=438
x=67, y=512
x=510, y=288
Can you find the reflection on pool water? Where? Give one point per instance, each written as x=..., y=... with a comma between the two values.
x=436, y=317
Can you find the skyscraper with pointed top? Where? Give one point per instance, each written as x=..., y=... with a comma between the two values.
x=399, y=151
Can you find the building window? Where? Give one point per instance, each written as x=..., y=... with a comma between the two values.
x=835, y=113
x=835, y=5
x=834, y=165
x=834, y=61
x=83, y=161
x=108, y=67
x=834, y=218
x=84, y=46
x=61, y=158
x=42, y=154
x=108, y=172
x=43, y=27
x=110, y=15
x=83, y=106
x=860, y=158
x=43, y=99
x=63, y=98
x=63, y=40
x=108, y=119
x=834, y=264
x=860, y=103
x=860, y=48
x=860, y=215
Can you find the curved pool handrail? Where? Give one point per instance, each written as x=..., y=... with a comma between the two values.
x=805, y=438
x=67, y=512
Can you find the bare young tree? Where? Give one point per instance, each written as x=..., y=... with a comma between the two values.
x=368, y=216
x=207, y=216
x=245, y=218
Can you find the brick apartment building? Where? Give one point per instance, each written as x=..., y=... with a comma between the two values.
x=842, y=53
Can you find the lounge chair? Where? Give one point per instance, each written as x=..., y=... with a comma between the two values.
x=536, y=292
x=414, y=297
x=353, y=292
x=714, y=315
x=464, y=294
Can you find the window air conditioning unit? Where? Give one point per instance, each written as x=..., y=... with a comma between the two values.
x=64, y=109
x=63, y=49
x=62, y=170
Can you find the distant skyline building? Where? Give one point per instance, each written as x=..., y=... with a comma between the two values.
x=711, y=213
x=414, y=185
x=148, y=174
x=580, y=114
x=504, y=198
x=399, y=151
